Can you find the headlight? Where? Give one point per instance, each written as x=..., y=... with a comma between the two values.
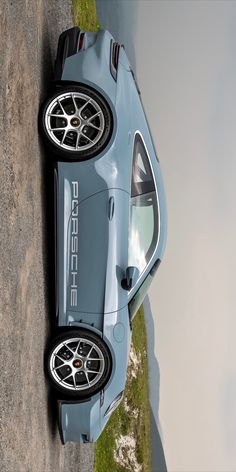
x=114, y=404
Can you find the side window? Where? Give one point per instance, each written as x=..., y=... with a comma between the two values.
x=143, y=227
x=142, y=180
x=137, y=300
x=139, y=296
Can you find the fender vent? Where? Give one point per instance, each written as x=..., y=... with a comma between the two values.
x=114, y=58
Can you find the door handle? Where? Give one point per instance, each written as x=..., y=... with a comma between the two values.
x=111, y=208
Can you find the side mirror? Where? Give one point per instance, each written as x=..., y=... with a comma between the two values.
x=131, y=278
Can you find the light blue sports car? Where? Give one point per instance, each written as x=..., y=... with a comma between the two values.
x=110, y=221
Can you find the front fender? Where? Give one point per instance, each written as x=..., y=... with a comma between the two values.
x=85, y=420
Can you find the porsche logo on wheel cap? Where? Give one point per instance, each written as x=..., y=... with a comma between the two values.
x=75, y=122
x=77, y=363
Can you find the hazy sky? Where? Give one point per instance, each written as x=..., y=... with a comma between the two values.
x=185, y=55
x=186, y=67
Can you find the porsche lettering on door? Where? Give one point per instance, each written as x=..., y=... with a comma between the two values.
x=74, y=244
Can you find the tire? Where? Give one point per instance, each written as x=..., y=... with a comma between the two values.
x=69, y=353
x=76, y=123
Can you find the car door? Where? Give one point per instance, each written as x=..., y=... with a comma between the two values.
x=92, y=252
x=102, y=253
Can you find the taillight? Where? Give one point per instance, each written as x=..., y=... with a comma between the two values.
x=81, y=41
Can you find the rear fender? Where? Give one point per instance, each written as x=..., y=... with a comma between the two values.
x=92, y=66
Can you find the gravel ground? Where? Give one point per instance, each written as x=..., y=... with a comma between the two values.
x=29, y=439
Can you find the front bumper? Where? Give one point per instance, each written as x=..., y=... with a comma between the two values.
x=79, y=421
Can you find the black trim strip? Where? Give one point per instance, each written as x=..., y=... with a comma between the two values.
x=67, y=46
x=114, y=58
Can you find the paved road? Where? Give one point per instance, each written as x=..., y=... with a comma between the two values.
x=29, y=440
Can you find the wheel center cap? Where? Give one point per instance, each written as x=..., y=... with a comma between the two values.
x=75, y=122
x=77, y=363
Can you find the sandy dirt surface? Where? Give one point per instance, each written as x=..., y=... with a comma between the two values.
x=29, y=439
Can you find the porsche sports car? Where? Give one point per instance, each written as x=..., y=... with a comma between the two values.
x=110, y=225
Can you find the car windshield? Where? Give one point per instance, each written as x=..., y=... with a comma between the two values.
x=143, y=229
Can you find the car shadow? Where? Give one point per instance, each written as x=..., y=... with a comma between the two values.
x=52, y=412
x=47, y=202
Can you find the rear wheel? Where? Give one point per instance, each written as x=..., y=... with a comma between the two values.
x=76, y=123
x=78, y=363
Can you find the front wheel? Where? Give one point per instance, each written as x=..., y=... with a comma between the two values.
x=78, y=363
x=76, y=123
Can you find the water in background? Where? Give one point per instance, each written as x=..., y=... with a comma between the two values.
x=119, y=17
x=158, y=457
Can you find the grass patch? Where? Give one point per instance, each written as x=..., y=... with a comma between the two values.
x=136, y=421
x=85, y=14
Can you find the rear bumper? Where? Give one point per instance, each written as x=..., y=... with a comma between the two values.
x=67, y=46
